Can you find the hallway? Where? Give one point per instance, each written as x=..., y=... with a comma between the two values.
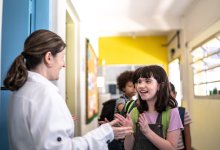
x=183, y=37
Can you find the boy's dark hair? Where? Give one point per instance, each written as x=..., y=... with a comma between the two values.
x=123, y=78
x=172, y=87
x=164, y=99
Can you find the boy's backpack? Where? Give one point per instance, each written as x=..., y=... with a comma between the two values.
x=108, y=110
x=165, y=119
x=128, y=107
x=182, y=114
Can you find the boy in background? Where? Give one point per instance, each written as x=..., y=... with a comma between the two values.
x=126, y=86
x=185, y=137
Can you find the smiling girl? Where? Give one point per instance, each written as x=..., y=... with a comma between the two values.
x=156, y=105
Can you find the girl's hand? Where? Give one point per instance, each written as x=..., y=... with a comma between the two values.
x=126, y=122
x=143, y=122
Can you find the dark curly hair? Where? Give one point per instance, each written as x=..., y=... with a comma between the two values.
x=124, y=78
x=172, y=88
x=164, y=99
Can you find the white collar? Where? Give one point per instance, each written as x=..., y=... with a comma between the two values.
x=34, y=76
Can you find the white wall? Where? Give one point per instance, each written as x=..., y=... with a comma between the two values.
x=201, y=21
x=200, y=17
x=57, y=24
x=206, y=122
x=94, y=123
x=81, y=70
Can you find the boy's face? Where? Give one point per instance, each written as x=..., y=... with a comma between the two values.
x=173, y=94
x=129, y=89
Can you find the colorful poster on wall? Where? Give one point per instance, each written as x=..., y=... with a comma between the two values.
x=92, y=102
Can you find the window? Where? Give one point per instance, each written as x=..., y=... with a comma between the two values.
x=174, y=77
x=206, y=68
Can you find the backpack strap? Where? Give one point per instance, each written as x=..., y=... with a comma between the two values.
x=130, y=106
x=182, y=115
x=165, y=121
x=134, y=117
x=127, y=108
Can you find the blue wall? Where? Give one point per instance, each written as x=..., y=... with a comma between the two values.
x=20, y=18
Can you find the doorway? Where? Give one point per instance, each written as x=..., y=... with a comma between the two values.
x=71, y=98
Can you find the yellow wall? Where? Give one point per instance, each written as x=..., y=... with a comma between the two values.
x=128, y=50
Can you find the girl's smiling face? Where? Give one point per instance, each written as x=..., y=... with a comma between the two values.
x=147, y=88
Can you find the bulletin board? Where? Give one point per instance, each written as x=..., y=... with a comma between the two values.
x=92, y=101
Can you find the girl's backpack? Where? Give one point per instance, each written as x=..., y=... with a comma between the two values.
x=165, y=119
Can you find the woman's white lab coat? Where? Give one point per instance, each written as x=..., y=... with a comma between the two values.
x=39, y=119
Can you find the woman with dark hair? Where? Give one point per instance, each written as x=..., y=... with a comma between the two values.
x=38, y=117
x=156, y=121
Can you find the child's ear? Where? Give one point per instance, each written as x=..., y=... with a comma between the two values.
x=158, y=87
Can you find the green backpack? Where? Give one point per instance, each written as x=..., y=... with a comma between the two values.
x=165, y=119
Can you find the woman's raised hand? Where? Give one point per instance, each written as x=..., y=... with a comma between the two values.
x=126, y=122
x=120, y=131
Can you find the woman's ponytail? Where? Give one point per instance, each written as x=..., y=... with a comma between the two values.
x=17, y=74
x=35, y=47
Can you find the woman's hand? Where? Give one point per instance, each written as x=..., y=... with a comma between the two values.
x=143, y=122
x=75, y=118
x=126, y=122
x=120, y=131
x=102, y=122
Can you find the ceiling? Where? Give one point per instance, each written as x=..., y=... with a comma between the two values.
x=131, y=17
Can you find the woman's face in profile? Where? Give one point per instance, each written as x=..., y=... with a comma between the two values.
x=58, y=64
